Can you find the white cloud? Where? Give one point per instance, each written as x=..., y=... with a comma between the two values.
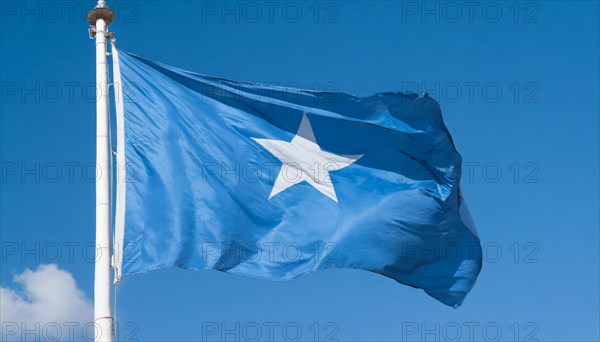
x=47, y=302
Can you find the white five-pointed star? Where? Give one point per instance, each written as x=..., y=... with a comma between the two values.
x=304, y=161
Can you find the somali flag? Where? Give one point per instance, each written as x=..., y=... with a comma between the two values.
x=274, y=183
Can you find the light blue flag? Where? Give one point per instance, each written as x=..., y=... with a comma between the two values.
x=273, y=183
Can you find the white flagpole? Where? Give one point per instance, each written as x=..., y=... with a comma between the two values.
x=99, y=18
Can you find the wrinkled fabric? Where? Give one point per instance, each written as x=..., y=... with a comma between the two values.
x=198, y=183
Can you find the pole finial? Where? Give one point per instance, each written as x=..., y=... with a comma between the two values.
x=101, y=11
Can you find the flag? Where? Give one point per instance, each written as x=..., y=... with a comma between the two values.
x=273, y=182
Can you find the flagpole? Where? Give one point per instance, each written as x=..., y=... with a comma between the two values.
x=99, y=18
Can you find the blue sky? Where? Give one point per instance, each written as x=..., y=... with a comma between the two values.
x=519, y=88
